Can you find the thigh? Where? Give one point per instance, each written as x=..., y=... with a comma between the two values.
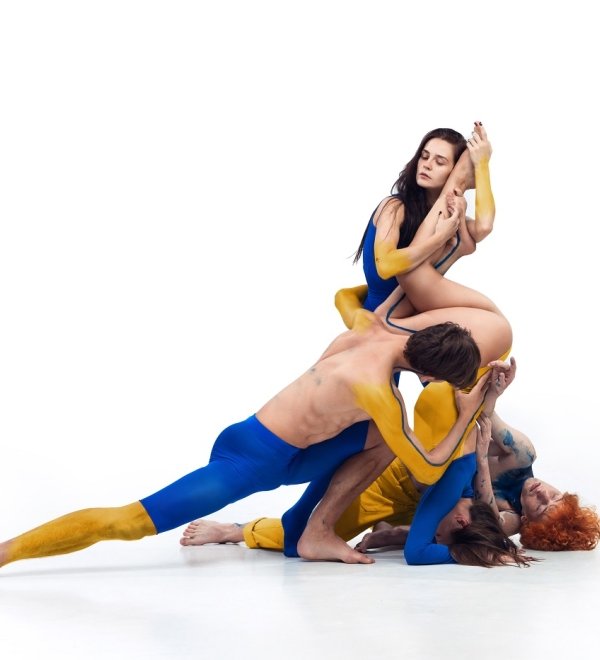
x=427, y=289
x=325, y=457
x=197, y=494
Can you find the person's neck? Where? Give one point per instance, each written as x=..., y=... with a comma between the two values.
x=432, y=196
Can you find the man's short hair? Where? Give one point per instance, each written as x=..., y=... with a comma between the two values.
x=446, y=351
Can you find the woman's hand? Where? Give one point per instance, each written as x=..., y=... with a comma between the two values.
x=478, y=145
x=446, y=228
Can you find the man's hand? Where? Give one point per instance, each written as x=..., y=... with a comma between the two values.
x=468, y=402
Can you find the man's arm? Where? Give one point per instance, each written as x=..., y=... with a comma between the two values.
x=509, y=519
x=515, y=449
x=511, y=448
x=385, y=406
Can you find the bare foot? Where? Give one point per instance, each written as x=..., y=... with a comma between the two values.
x=201, y=532
x=326, y=546
x=464, y=173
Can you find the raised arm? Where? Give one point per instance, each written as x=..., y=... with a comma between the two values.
x=483, y=481
x=510, y=448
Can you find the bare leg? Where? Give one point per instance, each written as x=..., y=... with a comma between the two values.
x=462, y=176
x=319, y=540
x=428, y=290
x=77, y=531
x=201, y=532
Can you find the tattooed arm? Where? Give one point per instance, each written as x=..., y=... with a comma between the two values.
x=483, y=487
x=513, y=448
x=483, y=481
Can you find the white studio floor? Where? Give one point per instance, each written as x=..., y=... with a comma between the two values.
x=155, y=599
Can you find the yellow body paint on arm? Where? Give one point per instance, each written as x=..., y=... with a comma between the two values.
x=427, y=464
x=391, y=261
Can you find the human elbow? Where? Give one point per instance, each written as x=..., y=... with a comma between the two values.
x=413, y=556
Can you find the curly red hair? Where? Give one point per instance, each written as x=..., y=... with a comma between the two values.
x=568, y=527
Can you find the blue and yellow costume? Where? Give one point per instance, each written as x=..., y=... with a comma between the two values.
x=247, y=458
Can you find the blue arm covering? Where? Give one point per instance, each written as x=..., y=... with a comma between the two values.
x=438, y=501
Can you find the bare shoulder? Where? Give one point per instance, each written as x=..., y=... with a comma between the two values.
x=389, y=211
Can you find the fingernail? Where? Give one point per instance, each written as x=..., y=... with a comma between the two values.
x=480, y=124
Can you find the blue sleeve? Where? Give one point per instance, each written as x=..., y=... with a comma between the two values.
x=437, y=502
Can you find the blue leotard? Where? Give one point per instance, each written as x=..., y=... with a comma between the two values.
x=378, y=289
x=247, y=458
x=436, y=502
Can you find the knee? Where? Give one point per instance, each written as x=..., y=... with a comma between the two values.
x=129, y=523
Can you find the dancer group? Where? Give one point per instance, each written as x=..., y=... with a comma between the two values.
x=454, y=488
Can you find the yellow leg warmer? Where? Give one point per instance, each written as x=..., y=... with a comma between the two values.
x=79, y=530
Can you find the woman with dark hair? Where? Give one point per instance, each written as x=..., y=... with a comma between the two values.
x=443, y=163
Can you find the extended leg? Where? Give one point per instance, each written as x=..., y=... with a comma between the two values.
x=77, y=531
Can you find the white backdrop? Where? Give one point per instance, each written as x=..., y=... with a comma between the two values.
x=182, y=186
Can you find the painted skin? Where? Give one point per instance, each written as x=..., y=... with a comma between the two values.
x=314, y=407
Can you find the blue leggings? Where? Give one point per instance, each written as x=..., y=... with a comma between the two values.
x=247, y=458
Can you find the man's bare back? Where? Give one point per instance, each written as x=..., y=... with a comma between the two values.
x=322, y=402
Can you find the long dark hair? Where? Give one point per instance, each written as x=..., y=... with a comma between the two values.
x=406, y=190
x=484, y=543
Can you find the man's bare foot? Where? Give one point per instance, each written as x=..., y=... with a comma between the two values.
x=201, y=532
x=326, y=546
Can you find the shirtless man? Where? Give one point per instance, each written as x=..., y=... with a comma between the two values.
x=504, y=479
x=285, y=441
x=389, y=503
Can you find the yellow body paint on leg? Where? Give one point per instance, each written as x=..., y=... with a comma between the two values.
x=392, y=497
x=80, y=529
x=484, y=199
x=348, y=301
x=265, y=533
